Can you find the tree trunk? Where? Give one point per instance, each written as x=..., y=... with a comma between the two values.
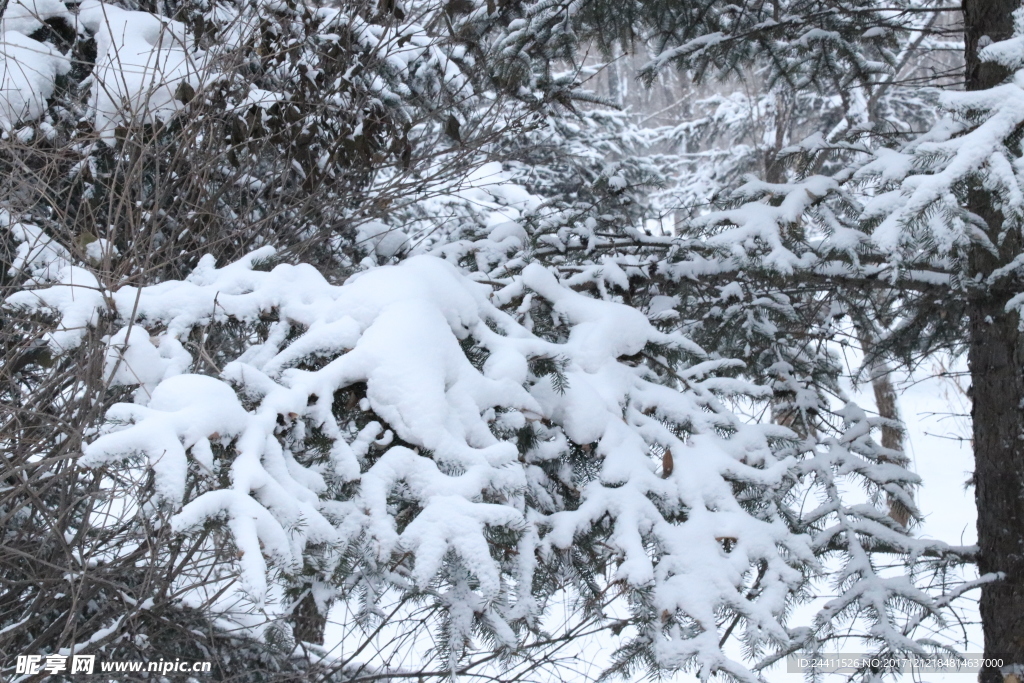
x=996, y=357
x=613, y=72
x=880, y=374
x=308, y=624
x=986, y=18
x=997, y=390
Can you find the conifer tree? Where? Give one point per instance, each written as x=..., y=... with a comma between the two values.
x=399, y=341
x=937, y=238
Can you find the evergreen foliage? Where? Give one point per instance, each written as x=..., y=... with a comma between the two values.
x=380, y=308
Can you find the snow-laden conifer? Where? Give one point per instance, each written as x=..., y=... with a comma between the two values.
x=475, y=444
x=402, y=338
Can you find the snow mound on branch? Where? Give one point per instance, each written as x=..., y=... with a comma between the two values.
x=28, y=68
x=408, y=419
x=145, y=64
x=56, y=286
x=1010, y=52
x=27, y=16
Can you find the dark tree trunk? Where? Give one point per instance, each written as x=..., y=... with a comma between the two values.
x=991, y=18
x=308, y=623
x=996, y=357
x=997, y=386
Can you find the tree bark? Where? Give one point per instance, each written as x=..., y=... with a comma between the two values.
x=985, y=21
x=996, y=357
x=886, y=402
x=308, y=624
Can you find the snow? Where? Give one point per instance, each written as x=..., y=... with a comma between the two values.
x=143, y=60
x=423, y=377
x=1009, y=53
x=181, y=411
x=28, y=70
x=381, y=239
x=931, y=169
x=133, y=359
x=55, y=286
x=27, y=16
x=99, y=249
x=746, y=228
x=399, y=331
